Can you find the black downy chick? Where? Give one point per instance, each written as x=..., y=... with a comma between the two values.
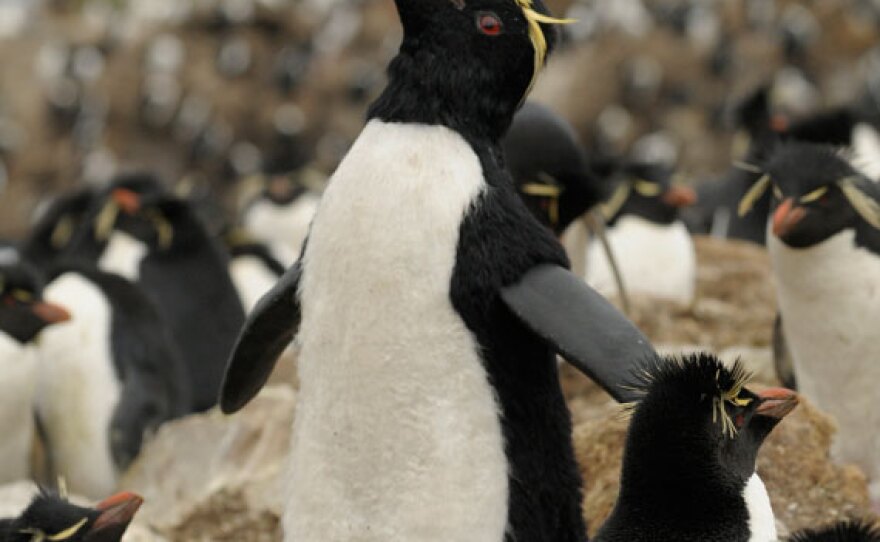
x=689, y=462
x=50, y=517
x=549, y=167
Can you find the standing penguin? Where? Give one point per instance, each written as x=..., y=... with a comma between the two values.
x=51, y=517
x=107, y=378
x=23, y=316
x=156, y=240
x=429, y=305
x=655, y=250
x=549, y=167
x=280, y=217
x=689, y=463
x=824, y=244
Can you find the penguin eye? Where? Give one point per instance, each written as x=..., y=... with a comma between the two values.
x=739, y=421
x=488, y=23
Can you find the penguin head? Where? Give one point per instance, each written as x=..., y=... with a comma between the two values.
x=847, y=531
x=50, y=517
x=697, y=414
x=467, y=64
x=56, y=222
x=645, y=189
x=816, y=194
x=23, y=313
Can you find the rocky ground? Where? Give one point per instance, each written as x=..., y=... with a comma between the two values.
x=218, y=478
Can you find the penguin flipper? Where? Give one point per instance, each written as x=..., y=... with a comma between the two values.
x=269, y=328
x=581, y=325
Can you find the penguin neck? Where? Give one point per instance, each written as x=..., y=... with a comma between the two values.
x=418, y=93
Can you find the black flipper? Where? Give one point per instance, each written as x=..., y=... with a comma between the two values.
x=269, y=328
x=582, y=326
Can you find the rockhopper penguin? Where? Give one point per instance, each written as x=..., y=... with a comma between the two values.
x=50, y=517
x=23, y=316
x=429, y=305
x=689, y=462
x=824, y=244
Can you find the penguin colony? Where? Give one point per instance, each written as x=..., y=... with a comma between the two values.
x=428, y=298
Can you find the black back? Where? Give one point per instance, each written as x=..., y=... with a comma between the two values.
x=447, y=73
x=148, y=364
x=686, y=461
x=541, y=148
x=846, y=531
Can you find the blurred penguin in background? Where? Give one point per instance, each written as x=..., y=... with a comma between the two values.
x=824, y=244
x=654, y=249
x=55, y=226
x=107, y=378
x=24, y=316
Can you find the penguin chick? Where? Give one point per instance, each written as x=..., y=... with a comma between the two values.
x=655, y=251
x=824, y=246
x=23, y=316
x=689, y=462
x=845, y=531
x=549, y=167
x=50, y=517
x=107, y=379
x=280, y=216
x=142, y=232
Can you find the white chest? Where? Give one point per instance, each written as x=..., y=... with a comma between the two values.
x=283, y=227
x=397, y=435
x=655, y=260
x=762, y=522
x=829, y=296
x=123, y=255
x=251, y=278
x=77, y=388
x=18, y=370
x=866, y=150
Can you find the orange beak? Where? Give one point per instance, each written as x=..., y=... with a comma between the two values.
x=777, y=402
x=680, y=196
x=786, y=217
x=50, y=312
x=779, y=123
x=128, y=201
x=117, y=511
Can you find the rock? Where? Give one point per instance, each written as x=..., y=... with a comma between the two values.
x=805, y=487
x=216, y=477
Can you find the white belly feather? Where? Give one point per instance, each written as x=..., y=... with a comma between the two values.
x=655, y=260
x=77, y=387
x=18, y=366
x=397, y=434
x=282, y=227
x=762, y=522
x=829, y=296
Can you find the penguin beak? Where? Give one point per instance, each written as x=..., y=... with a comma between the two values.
x=128, y=201
x=680, y=196
x=786, y=217
x=50, y=312
x=776, y=402
x=116, y=513
x=279, y=189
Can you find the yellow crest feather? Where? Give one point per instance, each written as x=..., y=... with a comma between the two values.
x=539, y=42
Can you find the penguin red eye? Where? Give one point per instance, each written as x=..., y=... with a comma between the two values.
x=488, y=23
x=739, y=420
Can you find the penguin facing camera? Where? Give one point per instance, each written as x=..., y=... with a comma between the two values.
x=429, y=306
x=845, y=531
x=824, y=245
x=107, y=379
x=142, y=232
x=55, y=226
x=689, y=460
x=50, y=517
x=280, y=216
x=24, y=316
x=654, y=248
x=549, y=167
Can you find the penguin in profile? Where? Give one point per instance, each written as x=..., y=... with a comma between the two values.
x=429, y=306
x=107, y=379
x=24, y=315
x=845, y=531
x=140, y=231
x=55, y=227
x=50, y=517
x=655, y=250
x=824, y=245
x=549, y=167
x=280, y=216
x=689, y=460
